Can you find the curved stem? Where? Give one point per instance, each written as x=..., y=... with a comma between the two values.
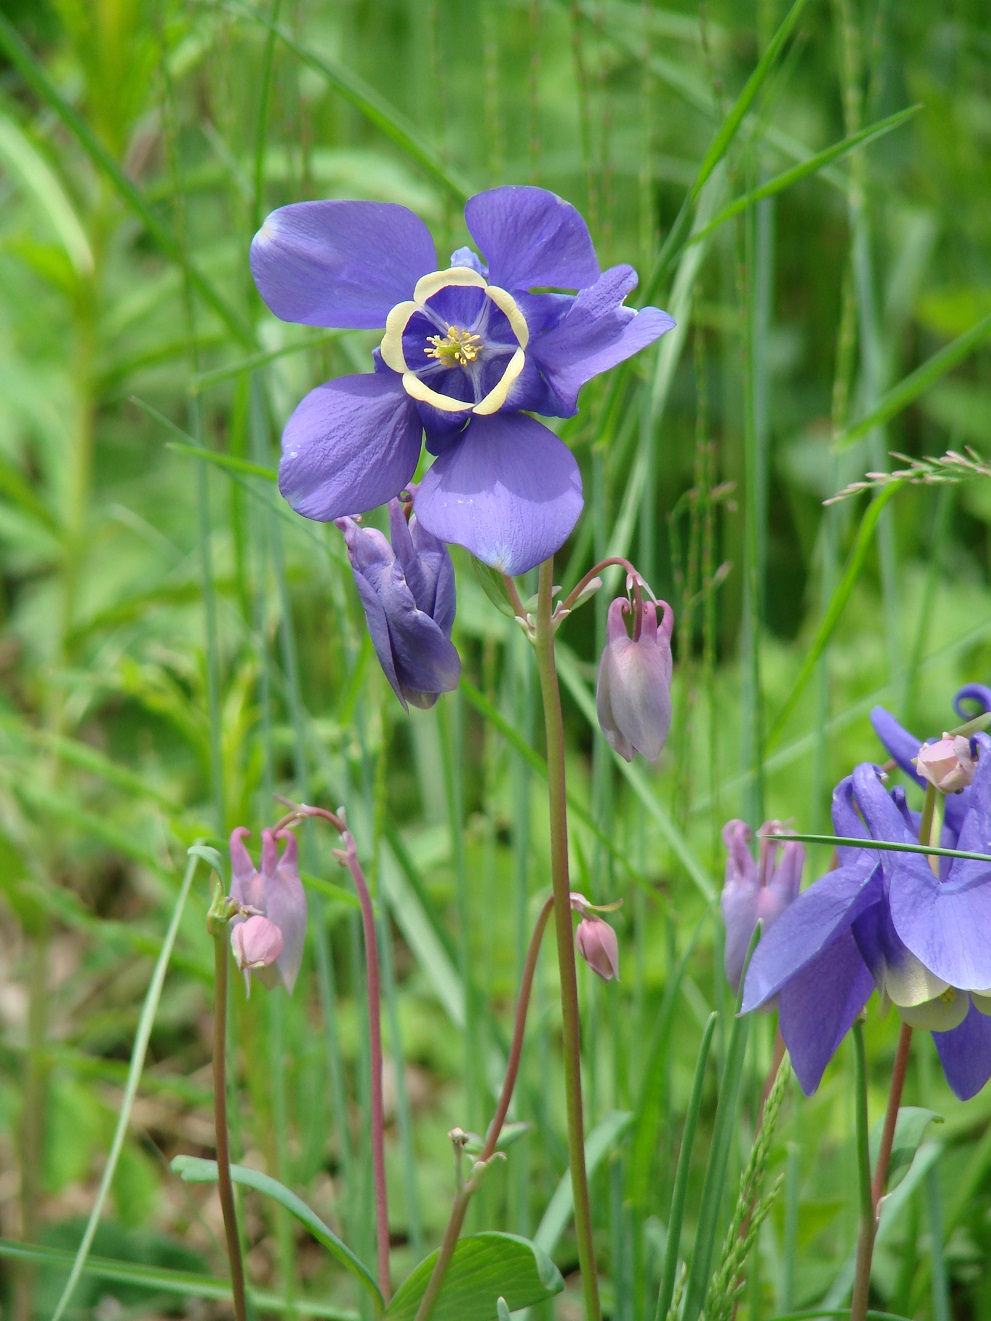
x=872, y=1190
x=463, y=1196
x=224, y=1184
x=576, y=591
x=350, y=859
x=348, y=856
x=557, y=801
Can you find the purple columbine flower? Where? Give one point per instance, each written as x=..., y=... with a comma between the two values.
x=633, y=692
x=275, y=893
x=464, y=350
x=904, y=747
x=755, y=891
x=407, y=590
x=884, y=919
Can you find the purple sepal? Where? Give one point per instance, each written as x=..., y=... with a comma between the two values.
x=509, y=490
x=350, y=445
x=343, y=264
x=809, y=926
x=407, y=592
x=596, y=333
x=531, y=237
x=818, y=1006
x=965, y=1054
x=972, y=692
x=947, y=924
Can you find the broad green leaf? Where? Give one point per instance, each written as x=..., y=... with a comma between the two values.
x=910, y=1129
x=484, y=1268
x=194, y=1170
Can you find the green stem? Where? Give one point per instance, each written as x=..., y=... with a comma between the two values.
x=554, y=724
x=224, y=1183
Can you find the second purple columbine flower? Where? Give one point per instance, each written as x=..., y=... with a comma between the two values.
x=883, y=919
x=464, y=351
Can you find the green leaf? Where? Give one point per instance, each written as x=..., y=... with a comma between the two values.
x=484, y=1268
x=194, y=1170
x=210, y=856
x=493, y=586
x=910, y=1129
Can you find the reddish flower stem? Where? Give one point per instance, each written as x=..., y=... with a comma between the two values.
x=348, y=856
x=463, y=1196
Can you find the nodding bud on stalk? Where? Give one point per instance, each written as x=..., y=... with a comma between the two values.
x=597, y=944
x=633, y=693
x=755, y=891
x=407, y=591
x=948, y=764
x=268, y=940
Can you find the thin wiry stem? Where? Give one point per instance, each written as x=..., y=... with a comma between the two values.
x=463, y=1195
x=224, y=1184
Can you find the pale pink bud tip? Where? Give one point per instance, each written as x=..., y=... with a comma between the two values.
x=947, y=764
x=597, y=944
x=256, y=943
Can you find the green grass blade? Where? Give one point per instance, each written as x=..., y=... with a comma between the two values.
x=182, y=1283
x=716, y=1170
x=561, y=1206
x=805, y=168
x=837, y=603
x=728, y=129
x=365, y=99
x=141, y=1039
x=37, y=79
x=195, y=1170
x=916, y=383
x=678, y=1197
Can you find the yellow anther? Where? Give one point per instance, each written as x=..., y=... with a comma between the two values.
x=948, y=996
x=455, y=349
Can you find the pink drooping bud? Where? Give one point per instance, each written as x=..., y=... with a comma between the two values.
x=948, y=764
x=257, y=944
x=274, y=893
x=597, y=944
x=755, y=891
x=633, y=693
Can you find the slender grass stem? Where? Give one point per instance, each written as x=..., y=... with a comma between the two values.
x=557, y=801
x=224, y=1184
x=463, y=1196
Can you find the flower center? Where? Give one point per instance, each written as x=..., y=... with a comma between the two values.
x=455, y=349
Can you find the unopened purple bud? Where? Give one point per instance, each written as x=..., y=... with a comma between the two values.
x=276, y=893
x=755, y=891
x=948, y=764
x=257, y=944
x=633, y=693
x=407, y=591
x=597, y=944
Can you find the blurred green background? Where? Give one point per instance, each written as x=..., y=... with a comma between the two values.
x=177, y=644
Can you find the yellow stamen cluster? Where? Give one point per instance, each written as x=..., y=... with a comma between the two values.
x=948, y=996
x=455, y=349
